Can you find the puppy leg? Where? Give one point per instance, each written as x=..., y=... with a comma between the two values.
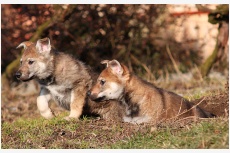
x=43, y=104
x=77, y=103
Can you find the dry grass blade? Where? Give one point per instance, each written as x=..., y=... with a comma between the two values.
x=143, y=65
x=173, y=61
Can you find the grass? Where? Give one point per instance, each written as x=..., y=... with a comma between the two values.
x=198, y=93
x=32, y=133
x=58, y=133
x=36, y=132
x=206, y=134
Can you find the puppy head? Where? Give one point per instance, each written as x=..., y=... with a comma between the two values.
x=111, y=82
x=34, y=59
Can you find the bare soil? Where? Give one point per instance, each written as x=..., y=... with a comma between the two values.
x=217, y=104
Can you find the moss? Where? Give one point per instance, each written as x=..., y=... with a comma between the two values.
x=206, y=67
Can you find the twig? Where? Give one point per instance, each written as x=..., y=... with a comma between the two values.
x=192, y=107
x=198, y=73
x=143, y=65
x=172, y=59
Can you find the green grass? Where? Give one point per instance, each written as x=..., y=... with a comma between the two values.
x=91, y=133
x=197, y=94
x=56, y=133
x=213, y=133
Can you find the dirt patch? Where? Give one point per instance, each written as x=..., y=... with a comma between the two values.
x=217, y=104
x=100, y=131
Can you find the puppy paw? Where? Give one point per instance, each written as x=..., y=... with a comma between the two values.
x=47, y=114
x=68, y=118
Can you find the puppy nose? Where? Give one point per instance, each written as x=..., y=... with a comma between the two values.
x=89, y=93
x=18, y=75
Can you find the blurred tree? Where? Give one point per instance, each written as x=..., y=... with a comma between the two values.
x=128, y=33
x=60, y=14
x=218, y=16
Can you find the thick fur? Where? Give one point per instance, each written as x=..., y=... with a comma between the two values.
x=63, y=79
x=143, y=101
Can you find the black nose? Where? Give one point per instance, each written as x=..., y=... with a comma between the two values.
x=89, y=93
x=18, y=75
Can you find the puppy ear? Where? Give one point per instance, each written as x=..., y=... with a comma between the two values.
x=115, y=67
x=43, y=45
x=105, y=62
x=24, y=44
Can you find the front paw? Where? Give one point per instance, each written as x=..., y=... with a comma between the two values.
x=47, y=114
x=69, y=118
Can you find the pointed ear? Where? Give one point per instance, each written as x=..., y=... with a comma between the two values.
x=24, y=44
x=105, y=62
x=43, y=45
x=115, y=67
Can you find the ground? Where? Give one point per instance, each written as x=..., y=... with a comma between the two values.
x=217, y=104
x=23, y=127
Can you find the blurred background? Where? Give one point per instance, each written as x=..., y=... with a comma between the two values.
x=155, y=41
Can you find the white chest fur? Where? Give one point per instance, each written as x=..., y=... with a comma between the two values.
x=56, y=90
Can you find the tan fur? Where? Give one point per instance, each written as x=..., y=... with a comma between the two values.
x=62, y=78
x=143, y=101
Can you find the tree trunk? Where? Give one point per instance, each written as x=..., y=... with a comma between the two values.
x=218, y=51
x=220, y=16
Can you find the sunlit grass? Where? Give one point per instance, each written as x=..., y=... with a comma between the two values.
x=37, y=132
x=212, y=133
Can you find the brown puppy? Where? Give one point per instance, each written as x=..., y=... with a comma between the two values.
x=143, y=101
x=62, y=78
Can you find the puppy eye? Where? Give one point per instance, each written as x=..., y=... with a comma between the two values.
x=102, y=82
x=30, y=62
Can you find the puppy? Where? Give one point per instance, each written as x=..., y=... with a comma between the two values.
x=64, y=79
x=143, y=102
